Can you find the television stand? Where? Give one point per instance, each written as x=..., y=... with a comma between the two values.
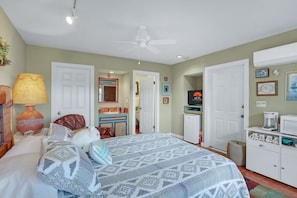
x=193, y=109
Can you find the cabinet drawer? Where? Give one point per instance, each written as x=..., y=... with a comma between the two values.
x=263, y=145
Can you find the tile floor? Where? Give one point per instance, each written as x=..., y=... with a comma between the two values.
x=281, y=187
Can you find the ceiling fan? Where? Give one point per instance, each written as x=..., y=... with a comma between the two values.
x=143, y=40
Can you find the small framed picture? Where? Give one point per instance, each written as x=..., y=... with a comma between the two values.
x=165, y=100
x=291, y=87
x=267, y=88
x=166, y=89
x=262, y=73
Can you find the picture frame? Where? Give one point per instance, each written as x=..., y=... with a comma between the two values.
x=267, y=88
x=291, y=86
x=166, y=89
x=262, y=73
x=165, y=100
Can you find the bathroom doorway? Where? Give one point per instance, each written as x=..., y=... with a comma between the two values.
x=145, y=104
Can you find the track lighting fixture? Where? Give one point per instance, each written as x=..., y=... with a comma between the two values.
x=73, y=17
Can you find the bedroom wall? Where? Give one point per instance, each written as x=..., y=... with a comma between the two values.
x=197, y=65
x=39, y=60
x=17, y=54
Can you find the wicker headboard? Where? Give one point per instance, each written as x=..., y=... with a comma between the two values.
x=6, y=134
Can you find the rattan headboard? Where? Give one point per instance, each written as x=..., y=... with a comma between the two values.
x=6, y=134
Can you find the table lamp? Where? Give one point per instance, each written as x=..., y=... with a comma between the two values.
x=29, y=89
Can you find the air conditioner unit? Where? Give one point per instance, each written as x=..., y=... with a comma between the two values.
x=284, y=54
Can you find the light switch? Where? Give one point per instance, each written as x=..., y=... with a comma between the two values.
x=260, y=103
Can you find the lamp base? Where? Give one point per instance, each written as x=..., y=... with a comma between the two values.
x=29, y=119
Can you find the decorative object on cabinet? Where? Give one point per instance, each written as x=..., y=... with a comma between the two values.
x=262, y=73
x=267, y=88
x=108, y=89
x=29, y=89
x=4, y=48
x=166, y=89
x=291, y=86
x=274, y=159
x=165, y=100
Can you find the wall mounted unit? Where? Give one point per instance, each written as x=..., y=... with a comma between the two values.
x=284, y=54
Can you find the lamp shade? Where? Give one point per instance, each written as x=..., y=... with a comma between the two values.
x=29, y=89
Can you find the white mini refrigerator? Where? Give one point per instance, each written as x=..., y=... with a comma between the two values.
x=192, y=128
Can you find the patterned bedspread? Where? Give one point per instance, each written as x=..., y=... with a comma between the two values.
x=159, y=165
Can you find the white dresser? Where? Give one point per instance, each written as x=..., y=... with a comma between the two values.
x=272, y=154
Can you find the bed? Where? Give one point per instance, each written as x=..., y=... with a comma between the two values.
x=145, y=165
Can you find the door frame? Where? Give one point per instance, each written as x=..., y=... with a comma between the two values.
x=157, y=98
x=208, y=95
x=55, y=65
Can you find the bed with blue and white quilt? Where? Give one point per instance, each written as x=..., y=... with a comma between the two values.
x=146, y=165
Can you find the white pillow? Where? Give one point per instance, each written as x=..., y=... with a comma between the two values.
x=18, y=178
x=29, y=144
x=59, y=132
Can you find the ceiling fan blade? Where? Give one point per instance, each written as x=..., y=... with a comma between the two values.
x=153, y=49
x=162, y=42
x=126, y=42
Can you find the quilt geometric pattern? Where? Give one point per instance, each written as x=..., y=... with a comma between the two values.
x=159, y=165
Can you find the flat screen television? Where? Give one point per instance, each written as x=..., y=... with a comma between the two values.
x=195, y=97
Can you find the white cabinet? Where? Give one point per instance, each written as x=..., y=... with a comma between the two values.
x=288, y=166
x=192, y=127
x=266, y=154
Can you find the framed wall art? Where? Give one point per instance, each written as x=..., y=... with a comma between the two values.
x=291, y=87
x=165, y=100
x=166, y=89
x=267, y=88
x=262, y=73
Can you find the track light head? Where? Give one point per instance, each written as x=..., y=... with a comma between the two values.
x=70, y=19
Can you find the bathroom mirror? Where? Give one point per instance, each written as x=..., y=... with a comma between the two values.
x=108, y=89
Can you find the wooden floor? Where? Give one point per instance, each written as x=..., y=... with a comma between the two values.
x=265, y=181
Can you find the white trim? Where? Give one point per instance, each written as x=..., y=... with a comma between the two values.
x=207, y=103
x=157, y=101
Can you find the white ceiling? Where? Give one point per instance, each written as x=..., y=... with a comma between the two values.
x=199, y=26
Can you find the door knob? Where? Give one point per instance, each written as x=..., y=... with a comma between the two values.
x=242, y=116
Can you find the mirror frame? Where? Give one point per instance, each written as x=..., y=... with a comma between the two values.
x=100, y=79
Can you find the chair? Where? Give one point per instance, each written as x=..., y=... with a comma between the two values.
x=72, y=121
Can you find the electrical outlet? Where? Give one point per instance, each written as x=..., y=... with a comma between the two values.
x=260, y=103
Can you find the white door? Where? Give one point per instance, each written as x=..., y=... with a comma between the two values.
x=226, y=102
x=72, y=91
x=147, y=104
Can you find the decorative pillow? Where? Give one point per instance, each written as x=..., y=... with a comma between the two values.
x=66, y=167
x=100, y=152
x=106, y=131
x=59, y=132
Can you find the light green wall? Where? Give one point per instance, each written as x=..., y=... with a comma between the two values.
x=197, y=65
x=39, y=61
x=17, y=51
x=17, y=54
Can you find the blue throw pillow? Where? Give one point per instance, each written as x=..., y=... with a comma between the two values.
x=100, y=153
